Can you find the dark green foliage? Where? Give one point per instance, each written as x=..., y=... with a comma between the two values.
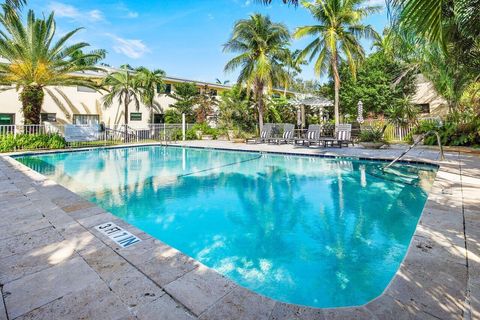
x=371, y=135
x=186, y=95
x=453, y=131
x=173, y=116
x=375, y=85
x=12, y=142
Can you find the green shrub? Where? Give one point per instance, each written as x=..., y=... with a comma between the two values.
x=12, y=142
x=371, y=135
x=453, y=132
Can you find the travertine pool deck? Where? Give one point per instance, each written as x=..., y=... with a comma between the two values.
x=55, y=265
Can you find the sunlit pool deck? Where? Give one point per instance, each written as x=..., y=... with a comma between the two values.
x=55, y=265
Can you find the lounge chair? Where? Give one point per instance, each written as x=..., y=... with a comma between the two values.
x=286, y=137
x=265, y=135
x=312, y=136
x=343, y=137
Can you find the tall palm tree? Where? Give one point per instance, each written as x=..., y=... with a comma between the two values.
x=336, y=37
x=91, y=59
x=293, y=67
x=429, y=18
x=151, y=85
x=35, y=60
x=124, y=86
x=261, y=45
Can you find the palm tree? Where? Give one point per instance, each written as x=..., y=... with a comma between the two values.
x=292, y=65
x=124, y=86
x=91, y=59
x=224, y=82
x=15, y=4
x=429, y=18
x=151, y=84
x=261, y=45
x=35, y=60
x=336, y=37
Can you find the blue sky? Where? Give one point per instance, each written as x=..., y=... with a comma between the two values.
x=182, y=37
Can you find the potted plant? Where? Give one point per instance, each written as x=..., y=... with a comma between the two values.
x=372, y=138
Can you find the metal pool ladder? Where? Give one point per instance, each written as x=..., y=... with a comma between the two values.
x=415, y=143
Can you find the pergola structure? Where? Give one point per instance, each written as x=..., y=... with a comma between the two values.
x=316, y=102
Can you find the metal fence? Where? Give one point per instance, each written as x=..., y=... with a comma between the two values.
x=31, y=137
x=395, y=133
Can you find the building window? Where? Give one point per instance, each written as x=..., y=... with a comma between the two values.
x=86, y=119
x=7, y=118
x=135, y=116
x=48, y=117
x=158, y=118
x=424, y=107
x=85, y=89
x=168, y=88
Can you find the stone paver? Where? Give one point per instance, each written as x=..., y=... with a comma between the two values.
x=199, y=289
x=38, y=289
x=240, y=304
x=164, y=308
x=54, y=265
x=93, y=302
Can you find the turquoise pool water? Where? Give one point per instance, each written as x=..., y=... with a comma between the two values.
x=306, y=230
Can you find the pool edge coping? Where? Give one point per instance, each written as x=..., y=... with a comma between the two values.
x=438, y=164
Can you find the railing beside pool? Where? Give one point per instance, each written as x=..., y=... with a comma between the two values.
x=58, y=136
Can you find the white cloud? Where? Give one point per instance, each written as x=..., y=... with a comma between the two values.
x=95, y=15
x=69, y=11
x=64, y=10
x=132, y=14
x=132, y=48
x=376, y=3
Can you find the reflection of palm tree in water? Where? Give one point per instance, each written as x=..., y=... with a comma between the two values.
x=363, y=233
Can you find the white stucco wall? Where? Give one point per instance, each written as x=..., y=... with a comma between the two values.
x=66, y=102
x=426, y=94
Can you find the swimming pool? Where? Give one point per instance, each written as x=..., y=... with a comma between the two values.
x=313, y=231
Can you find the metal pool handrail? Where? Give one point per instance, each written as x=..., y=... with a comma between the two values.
x=415, y=143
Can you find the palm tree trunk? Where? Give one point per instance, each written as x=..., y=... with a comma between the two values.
x=336, y=80
x=32, y=100
x=127, y=102
x=260, y=107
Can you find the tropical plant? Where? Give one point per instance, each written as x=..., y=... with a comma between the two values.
x=236, y=110
x=337, y=37
x=440, y=38
x=124, y=86
x=91, y=59
x=372, y=135
x=429, y=19
x=186, y=95
x=261, y=45
x=173, y=116
x=15, y=4
x=224, y=82
x=292, y=67
x=205, y=103
x=151, y=84
x=380, y=82
x=36, y=58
